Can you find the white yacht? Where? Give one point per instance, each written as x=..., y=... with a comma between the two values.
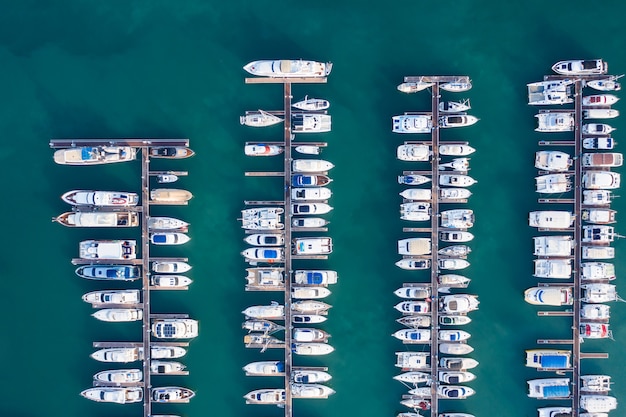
x=309, y=222
x=598, y=403
x=598, y=234
x=549, y=388
x=458, y=303
x=124, y=355
x=595, y=312
x=555, y=122
x=456, y=150
x=265, y=396
x=174, y=328
x=288, y=68
x=457, y=364
x=100, y=198
x=455, y=377
x=310, y=307
x=595, y=383
x=551, y=219
x=170, y=196
x=310, y=391
x=597, y=197
x=413, y=263
x=415, y=211
x=553, y=246
x=598, y=293
x=417, y=194
x=114, y=394
x=415, y=246
x=454, y=194
x=265, y=368
x=171, y=395
x=166, y=367
x=607, y=84
x=413, y=307
x=175, y=267
x=94, y=155
x=553, y=183
x=553, y=268
x=413, y=293
x=310, y=193
x=415, y=322
x=454, y=320
x=414, y=153
x=311, y=165
x=264, y=254
x=601, y=100
x=315, y=277
x=600, y=113
x=457, y=164
x=456, y=120
x=261, y=149
x=306, y=335
x=581, y=67
x=413, y=123
x=457, y=219
x=413, y=335
x=169, y=281
x=166, y=223
x=598, y=252
x=414, y=87
x=311, y=123
x=455, y=392
x=458, y=237
x=311, y=349
x=455, y=251
x=602, y=159
x=454, y=336
x=600, y=143
x=453, y=264
x=548, y=358
x=591, y=271
x=414, y=377
x=453, y=281
x=312, y=293
x=553, y=161
x=456, y=86
x=113, y=297
x=108, y=249
x=597, y=129
x=550, y=92
x=119, y=314
x=265, y=239
x=454, y=106
x=598, y=215
x=169, y=238
x=310, y=208
x=274, y=311
x=259, y=118
x=119, y=376
x=311, y=104
x=549, y=296
x=412, y=360
x=456, y=180
x=556, y=412
x=413, y=179
x=312, y=246
x=308, y=318
x=98, y=219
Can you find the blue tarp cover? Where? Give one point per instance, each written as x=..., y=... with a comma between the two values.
x=556, y=391
x=554, y=361
x=314, y=278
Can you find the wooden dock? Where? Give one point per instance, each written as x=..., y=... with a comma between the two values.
x=145, y=279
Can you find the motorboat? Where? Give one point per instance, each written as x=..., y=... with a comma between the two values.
x=581, y=67
x=595, y=252
x=599, y=143
x=259, y=118
x=553, y=183
x=413, y=335
x=413, y=152
x=553, y=246
x=309, y=222
x=265, y=368
x=94, y=155
x=310, y=391
x=454, y=348
x=454, y=392
x=597, y=197
x=412, y=360
x=452, y=264
x=287, y=68
x=412, y=123
x=108, y=249
x=456, y=150
x=311, y=349
x=553, y=161
x=174, y=328
x=414, y=246
x=598, y=215
x=549, y=388
x=308, y=149
x=113, y=297
x=124, y=355
x=169, y=238
x=457, y=237
x=550, y=92
x=310, y=307
x=413, y=307
x=454, y=194
x=414, y=377
x=261, y=149
x=109, y=272
x=263, y=254
x=551, y=219
x=557, y=412
x=458, y=303
x=415, y=321
x=598, y=234
x=171, y=152
x=311, y=104
x=455, y=251
x=315, y=277
x=453, y=335
x=418, y=392
x=417, y=402
x=457, y=219
x=417, y=194
x=100, y=198
x=602, y=159
x=413, y=179
x=310, y=208
x=452, y=281
x=171, y=395
x=309, y=292
x=598, y=403
x=414, y=87
x=549, y=296
x=119, y=314
x=595, y=312
x=310, y=377
x=600, y=113
x=456, y=120
x=311, y=165
x=312, y=246
x=265, y=239
x=550, y=359
x=119, y=376
x=595, y=383
x=454, y=106
x=170, y=195
x=553, y=268
x=98, y=219
x=301, y=334
x=310, y=123
x=456, y=180
x=301, y=180
x=166, y=223
x=165, y=352
x=169, y=281
x=415, y=211
x=454, y=320
x=311, y=194
x=273, y=311
x=307, y=318
x=166, y=367
x=456, y=86
x=597, y=129
x=607, y=84
x=457, y=164
x=457, y=364
x=175, y=267
x=166, y=178
x=600, y=100
x=266, y=396
x=262, y=218
x=555, y=122
x=455, y=377
x=598, y=293
x=413, y=263
x=118, y=395
x=413, y=293
x=263, y=326
x=591, y=271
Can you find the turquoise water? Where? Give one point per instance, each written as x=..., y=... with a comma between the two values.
x=77, y=69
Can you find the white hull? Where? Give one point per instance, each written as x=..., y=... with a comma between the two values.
x=288, y=68
x=308, y=149
x=170, y=267
x=456, y=150
x=259, y=119
x=170, y=281
x=311, y=104
x=260, y=149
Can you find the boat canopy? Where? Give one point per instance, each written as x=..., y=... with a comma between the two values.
x=554, y=361
x=556, y=391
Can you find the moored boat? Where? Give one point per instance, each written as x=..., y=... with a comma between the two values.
x=413, y=179
x=597, y=271
x=452, y=194
x=455, y=392
x=415, y=321
x=456, y=86
x=264, y=254
x=265, y=368
x=165, y=367
x=264, y=326
x=551, y=219
x=311, y=391
x=595, y=383
x=94, y=155
x=581, y=67
x=456, y=120
x=288, y=68
x=414, y=87
x=454, y=106
x=598, y=216
x=98, y=219
x=171, y=152
x=108, y=249
x=412, y=123
x=457, y=219
x=456, y=180
x=553, y=161
x=555, y=122
x=459, y=237
x=265, y=239
x=174, y=328
x=301, y=180
x=311, y=104
x=607, y=84
x=171, y=395
x=309, y=335
x=454, y=320
x=309, y=292
x=310, y=123
x=599, y=143
x=453, y=335
x=165, y=223
x=311, y=165
x=169, y=281
x=116, y=395
x=259, y=119
x=602, y=159
x=455, y=377
x=315, y=277
x=310, y=377
x=311, y=349
x=100, y=198
x=458, y=303
x=312, y=246
x=309, y=222
x=261, y=149
x=413, y=335
x=310, y=208
x=169, y=238
x=600, y=100
x=453, y=264
x=308, y=149
x=166, y=178
x=553, y=183
x=170, y=195
x=548, y=358
x=600, y=113
x=597, y=129
x=549, y=388
x=113, y=297
x=307, y=318
x=457, y=164
x=266, y=396
x=414, y=377
x=417, y=194
x=598, y=293
x=267, y=312
x=597, y=403
x=413, y=263
x=413, y=307
x=456, y=150
x=310, y=194
x=412, y=360
x=119, y=314
x=413, y=293
x=119, y=376
x=553, y=268
x=455, y=348
x=109, y=272
x=457, y=364
x=413, y=152
x=174, y=267
x=595, y=312
x=551, y=296
x=455, y=251
x=415, y=211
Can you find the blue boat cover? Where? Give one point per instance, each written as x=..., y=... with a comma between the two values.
x=554, y=361
x=85, y=153
x=415, y=336
x=314, y=278
x=280, y=366
x=159, y=238
x=554, y=391
x=271, y=254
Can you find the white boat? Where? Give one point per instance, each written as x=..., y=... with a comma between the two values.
x=414, y=377
x=412, y=152
x=312, y=246
x=454, y=106
x=169, y=238
x=553, y=161
x=413, y=307
x=457, y=219
x=458, y=237
x=309, y=292
x=119, y=376
x=309, y=222
x=600, y=113
x=455, y=392
x=263, y=326
x=553, y=183
x=315, y=277
x=602, y=252
x=457, y=164
x=549, y=388
x=309, y=335
x=415, y=211
x=595, y=312
x=265, y=239
x=413, y=293
x=413, y=335
x=259, y=119
x=414, y=246
x=457, y=120
x=456, y=86
x=261, y=149
x=456, y=150
x=311, y=104
x=166, y=178
x=266, y=396
x=310, y=307
x=310, y=391
x=308, y=149
x=417, y=393
x=288, y=68
x=600, y=100
x=166, y=223
x=598, y=234
x=113, y=297
x=311, y=349
x=412, y=123
x=116, y=395
x=456, y=180
x=264, y=368
x=414, y=87
x=453, y=264
x=597, y=129
x=453, y=281
x=457, y=364
x=451, y=194
x=602, y=159
x=165, y=367
x=108, y=249
x=598, y=403
x=455, y=377
x=598, y=293
x=98, y=219
x=557, y=412
x=413, y=179
x=601, y=180
x=174, y=328
x=310, y=193
x=598, y=216
x=453, y=336
x=555, y=122
x=599, y=143
x=311, y=165
x=551, y=219
x=553, y=246
x=274, y=311
x=455, y=251
x=595, y=383
x=262, y=218
x=597, y=197
x=264, y=254
x=415, y=321
x=171, y=152
x=417, y=194
x=409, y=415
x=170, y=195
x=100, y=198
x=550, y=92
x=581, y=67
x=170, y=267
x=549, y=296
x=308, y=318
x=597, y=271
x=458, y=304
x=94, y=155
x=119, y=314
x=310, y=208
x=310, y=377
x=124, y=355
x=454, y=320
x=550, y=359
x=311, y=123
x=417, y=402
x=553, y=268
x=171, y=395
x=607, y=84
x=412, y=360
